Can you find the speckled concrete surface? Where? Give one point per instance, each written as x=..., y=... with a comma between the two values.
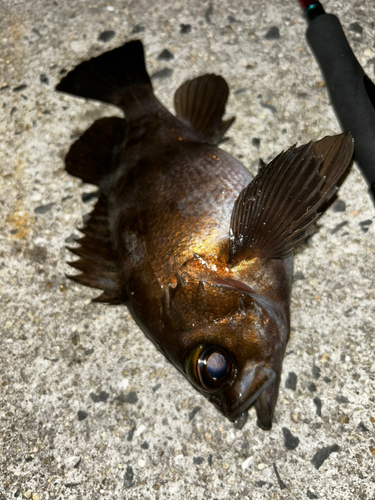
x=88, y=408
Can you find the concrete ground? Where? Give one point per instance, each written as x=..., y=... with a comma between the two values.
x=88, y=408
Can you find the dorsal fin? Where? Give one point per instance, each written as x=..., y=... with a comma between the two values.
x=273, y=212
x=200, y=104
x=91, y=156
x=98, y=260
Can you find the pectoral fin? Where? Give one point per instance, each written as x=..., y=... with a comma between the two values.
x=271, y=215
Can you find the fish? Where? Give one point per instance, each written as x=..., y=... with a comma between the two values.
x=197, y=248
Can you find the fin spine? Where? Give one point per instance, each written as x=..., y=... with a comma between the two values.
x=97, y=259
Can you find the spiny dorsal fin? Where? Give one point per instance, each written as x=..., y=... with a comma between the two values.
x=273, y=212
x=200, y=104
x=98, y=260
x=91, y=156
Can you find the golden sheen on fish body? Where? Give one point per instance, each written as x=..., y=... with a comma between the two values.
x=198, y=249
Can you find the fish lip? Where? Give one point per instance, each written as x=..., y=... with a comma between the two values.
x=245, y=405
x=238, y=410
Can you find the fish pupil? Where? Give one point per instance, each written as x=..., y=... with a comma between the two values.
x=217, y=365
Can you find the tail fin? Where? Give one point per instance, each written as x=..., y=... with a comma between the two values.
x=105, y=78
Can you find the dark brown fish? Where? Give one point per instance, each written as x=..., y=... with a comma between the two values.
x=199, y=251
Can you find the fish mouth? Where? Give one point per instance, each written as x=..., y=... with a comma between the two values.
x=241, y=420
x=255, y=383
x=249, y=402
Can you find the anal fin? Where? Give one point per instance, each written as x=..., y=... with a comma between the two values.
x=98, y=260
x=91, y=156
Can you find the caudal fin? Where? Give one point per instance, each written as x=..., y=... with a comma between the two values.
x=110, y=76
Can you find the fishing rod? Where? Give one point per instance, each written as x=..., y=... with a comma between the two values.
x=351, y=91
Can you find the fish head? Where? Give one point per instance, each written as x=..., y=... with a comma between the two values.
x=236, y=361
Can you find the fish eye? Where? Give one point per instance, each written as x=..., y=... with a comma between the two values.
x=217, y=365
x=210, y=367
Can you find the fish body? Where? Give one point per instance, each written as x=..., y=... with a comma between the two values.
x=199, y=251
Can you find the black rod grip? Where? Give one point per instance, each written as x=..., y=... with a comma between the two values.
x=352, y=93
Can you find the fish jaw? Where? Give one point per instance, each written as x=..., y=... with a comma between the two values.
x=254, y=381
x=265, y=405
x=256, y=385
